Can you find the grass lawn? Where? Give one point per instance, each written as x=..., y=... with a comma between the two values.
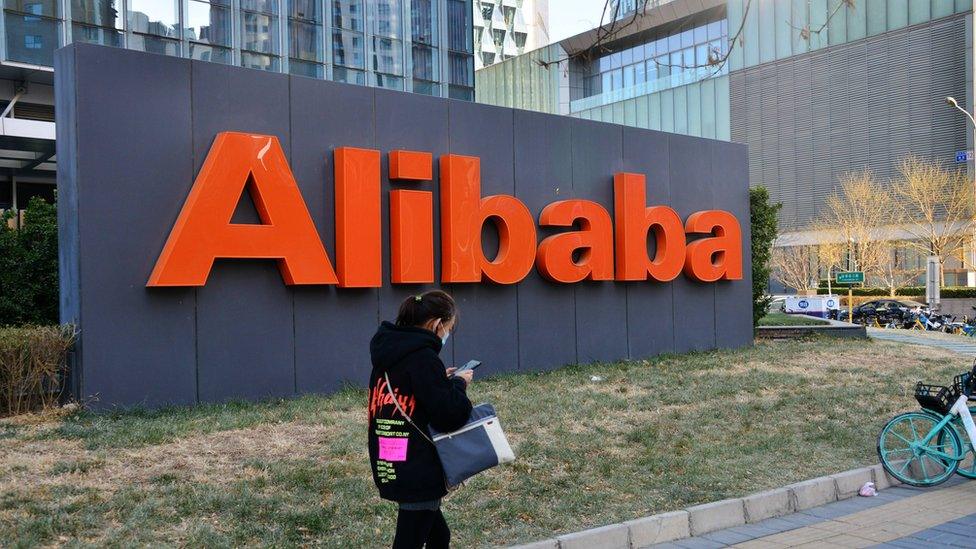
x=783, y=319
x=652, y=436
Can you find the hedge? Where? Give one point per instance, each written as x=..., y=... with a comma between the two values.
x=33, y=366
x=947, y=292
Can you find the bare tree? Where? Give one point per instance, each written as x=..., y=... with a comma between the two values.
x=856, y=224
x=935, y=206
x=895, y=274
x=795, y=267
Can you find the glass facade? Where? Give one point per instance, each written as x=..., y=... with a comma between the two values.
x=460, y=57
x=784, y=28
x=668, y=60
x=412, y=45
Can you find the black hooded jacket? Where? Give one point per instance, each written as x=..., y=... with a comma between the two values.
x=405, y=465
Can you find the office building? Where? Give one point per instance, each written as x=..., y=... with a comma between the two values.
x=507, y=28
x=421, y=46
x=816, y=88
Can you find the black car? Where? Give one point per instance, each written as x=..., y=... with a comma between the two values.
x=895, y=309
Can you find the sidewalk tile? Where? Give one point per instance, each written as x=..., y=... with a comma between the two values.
x=802, y=519
x=845, y=540
x=967, y=520
x=830, y=511
x=949, y=527
x=903, y=543
x=955, y=540
x=777, y=525
x=757, y=530
x=802, y=535
x=759, y=544
x=699, y=543
x=728, y=537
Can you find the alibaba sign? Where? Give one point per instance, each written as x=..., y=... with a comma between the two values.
x=604, y=247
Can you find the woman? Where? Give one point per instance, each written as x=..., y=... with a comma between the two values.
x=406, y=367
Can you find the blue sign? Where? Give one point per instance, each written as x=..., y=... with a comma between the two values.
x=963, y=156
x=803, y=304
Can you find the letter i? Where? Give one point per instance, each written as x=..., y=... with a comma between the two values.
x=411, y=220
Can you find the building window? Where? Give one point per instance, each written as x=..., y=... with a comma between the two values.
x=97, y=22
x=154, y=26
x=348, y=42
x=666, y=56
x=259, y=34
x=460, y=57
x=305, y=38
x=208, y=27
x=386, y=23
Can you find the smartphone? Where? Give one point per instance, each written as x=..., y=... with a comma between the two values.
x=471, y=365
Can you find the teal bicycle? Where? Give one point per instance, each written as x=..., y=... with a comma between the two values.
x=926, y=447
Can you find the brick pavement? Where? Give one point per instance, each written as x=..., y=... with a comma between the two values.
x=902, y=517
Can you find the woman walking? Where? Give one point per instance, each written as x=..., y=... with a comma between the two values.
x=409, y=389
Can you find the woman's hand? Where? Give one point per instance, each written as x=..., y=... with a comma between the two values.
x=466, y=375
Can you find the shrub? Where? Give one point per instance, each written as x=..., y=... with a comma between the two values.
x=910, y=291
x=33, y=366
x=762, y=220
x=29, y=267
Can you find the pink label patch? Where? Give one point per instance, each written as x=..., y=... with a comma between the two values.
x=393, y=449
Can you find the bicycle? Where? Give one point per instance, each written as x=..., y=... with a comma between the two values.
x=905, y=444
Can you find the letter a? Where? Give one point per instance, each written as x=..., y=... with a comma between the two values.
x=716, y=257
x=593, y=242
x=204, y=232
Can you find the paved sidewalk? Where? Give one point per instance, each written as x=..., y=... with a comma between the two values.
x=965, y=345
x=902, y=516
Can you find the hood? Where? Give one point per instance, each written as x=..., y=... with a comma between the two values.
x=391, y=343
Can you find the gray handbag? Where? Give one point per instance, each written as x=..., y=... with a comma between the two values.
x=479, y=445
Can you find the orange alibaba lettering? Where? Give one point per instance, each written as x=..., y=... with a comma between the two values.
x=634, y=220
x=717, y=257
x=593, y=242
x=359, y=252
x=203, y=231
x=464, y=213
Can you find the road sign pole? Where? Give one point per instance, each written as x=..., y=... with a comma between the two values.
x=850, y=303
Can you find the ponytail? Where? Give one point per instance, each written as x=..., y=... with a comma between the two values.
x=416, y=310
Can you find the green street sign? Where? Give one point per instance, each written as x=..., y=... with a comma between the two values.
x=852, y=277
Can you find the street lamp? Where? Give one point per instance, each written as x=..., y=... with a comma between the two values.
x=951, y=101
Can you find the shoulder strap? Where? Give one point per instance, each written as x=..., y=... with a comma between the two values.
x=389, y=389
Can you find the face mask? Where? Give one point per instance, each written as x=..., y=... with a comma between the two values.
x=444, y=337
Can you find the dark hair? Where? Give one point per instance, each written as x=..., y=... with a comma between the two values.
x=416, y=310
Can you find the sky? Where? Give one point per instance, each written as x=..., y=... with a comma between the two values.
x=571, y=17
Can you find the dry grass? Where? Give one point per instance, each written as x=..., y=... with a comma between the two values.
x=651, y=436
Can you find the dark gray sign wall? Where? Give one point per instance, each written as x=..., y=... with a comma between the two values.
x=134, y=129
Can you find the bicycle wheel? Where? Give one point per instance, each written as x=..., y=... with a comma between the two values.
x=906, y=458
x=966, y=467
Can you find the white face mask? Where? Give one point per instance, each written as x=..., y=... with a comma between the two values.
x=445, y=336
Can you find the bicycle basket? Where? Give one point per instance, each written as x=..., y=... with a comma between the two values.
x=964, y=384
x=935, y=397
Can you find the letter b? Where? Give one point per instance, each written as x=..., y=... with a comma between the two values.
x=464, y=212
x=634, y=220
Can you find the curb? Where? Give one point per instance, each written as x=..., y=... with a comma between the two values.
x=834, y=328
x=718, y=515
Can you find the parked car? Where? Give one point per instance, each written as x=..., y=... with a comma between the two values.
x=776, y=304
x=897, y=309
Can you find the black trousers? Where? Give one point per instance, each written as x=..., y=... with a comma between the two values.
x=416, y=528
